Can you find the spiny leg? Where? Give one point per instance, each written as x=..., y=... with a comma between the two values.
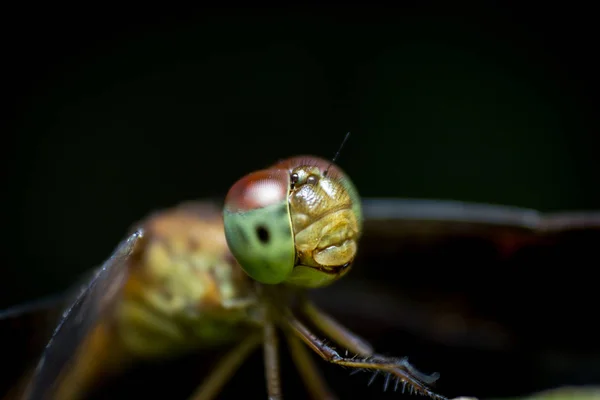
x=271, y=349
x=355, y=343
x=337, y=331
x=226, y=367
x=396, y=367
x=315, y=384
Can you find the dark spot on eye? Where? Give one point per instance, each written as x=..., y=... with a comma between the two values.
x=311, y=180
x=263, y=234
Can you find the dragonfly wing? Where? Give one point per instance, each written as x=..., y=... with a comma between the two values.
x=24, y=331
x=91, y=301
x=414, y=216
x=422, y=230
x=435, y=247
x=515, y=284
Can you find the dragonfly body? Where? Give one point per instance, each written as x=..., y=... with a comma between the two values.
x=185, y=288
x=184, y=292
x=187, y=279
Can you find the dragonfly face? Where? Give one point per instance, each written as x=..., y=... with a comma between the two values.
x=297, y=222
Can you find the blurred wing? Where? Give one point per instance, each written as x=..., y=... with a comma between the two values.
x=504, y=280
x=417, y=217
x=437, y=268
x=24, y=331
x=90, y=303
x=442, y=231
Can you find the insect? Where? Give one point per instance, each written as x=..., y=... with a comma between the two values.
x=174, y=284
x=193, y=278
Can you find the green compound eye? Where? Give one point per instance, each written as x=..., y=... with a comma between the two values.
x=258, y=227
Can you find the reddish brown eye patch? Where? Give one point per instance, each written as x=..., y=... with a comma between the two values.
x=258, y=189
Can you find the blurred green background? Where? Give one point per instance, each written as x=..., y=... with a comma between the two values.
x=121, y=112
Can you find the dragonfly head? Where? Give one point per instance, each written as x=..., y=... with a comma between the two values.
x=297, y=222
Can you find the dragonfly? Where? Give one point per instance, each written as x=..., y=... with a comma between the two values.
x=198, y=275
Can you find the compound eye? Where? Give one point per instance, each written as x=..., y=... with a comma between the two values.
x=258, y=190
x=258, y=226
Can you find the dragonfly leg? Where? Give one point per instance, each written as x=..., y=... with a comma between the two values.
x=315, y=384
x=226, y=367
x=352, y=341
x=400, y=369
x=336, y=331
x=271, y=349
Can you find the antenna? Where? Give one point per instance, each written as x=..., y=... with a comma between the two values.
x=337, y=154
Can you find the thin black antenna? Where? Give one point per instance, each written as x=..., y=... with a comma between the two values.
x=337, y=154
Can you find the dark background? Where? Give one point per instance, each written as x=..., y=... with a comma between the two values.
x=114, y=113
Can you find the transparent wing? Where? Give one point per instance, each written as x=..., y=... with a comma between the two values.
x=413, y=216
x=434, y=247
x=439, y=233
x=24, y=331
x=91, y=301
x=516, y=286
